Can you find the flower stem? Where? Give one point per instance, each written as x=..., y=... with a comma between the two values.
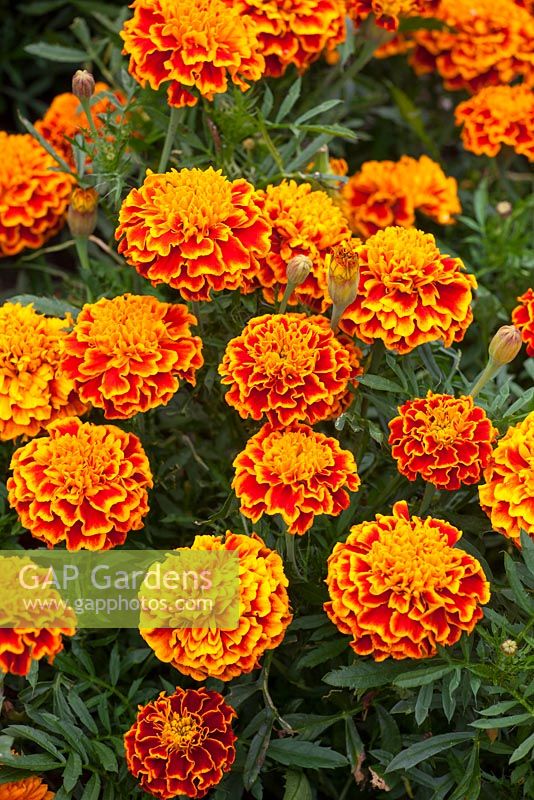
x=291, y=553
x=169, y=139
x=83, y=256
x=266, y=694
x=285, y=299
x=86, y=105
x=426, y=501
x=487, y=374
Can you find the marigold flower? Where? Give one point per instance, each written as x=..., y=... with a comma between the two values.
x=342, y=402
x=388, y=13
x=83, y=484
x=399, y=587
x=33, y=197
x=433, y=193
x=443, y=439
x=286, y=368
x=190, y=44
x=39, y=634
x=497, y=116
x=126, y=355
x=26, y=789
x=409, y=292
x=34, y=390
x=263, y=616
x=295, y=472
x=294, y=32
x=182, y=743
x=304, y=222
x=507, y=496
x=65, y=118
x=483, y=43
x=194, y=230
x=523, y=318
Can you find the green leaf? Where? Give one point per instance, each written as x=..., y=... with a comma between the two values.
x=32, y=735
x=105, y=756
x=114, y=665
x=256, y=752
x=80, y=709
x=420, y=751
x=267, y=104
x=57, y=52
x=527, y=551
x=324, y=652
x=451, y=683
x=518, y=590
x=498, y=708
x=40, y=763
x=295, y=753
x=469, y=786
x=423, y=702
x=316, y=110
x=365, y=675
x=380, y=384
x=49, y=306
x=289, y=100
x=297, y=786
x=72, y=772
x=421, y=677
x=501, y=722
x=412, y=116
x=523, y=749
x=92, y=789
x=353, y=742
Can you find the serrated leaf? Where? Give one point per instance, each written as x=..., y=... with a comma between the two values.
x=527, y=551
x=423, y=702
x=105, y=756
x=523, y=749
x=57, y=53
x=92, y=789
x=295, y=753
x=364, y=676
x=501, y=722
x=420, y=751
x=518, y=590
x=72, y=771
x=353, y=742
x=114, y=665
x=267, y=105
x=297, y=786
x=49, y=306
x=80, y=710
x=40, y=763
x=256, y=753
x=498, y=708
x=469, y=786
x=289, y=100
x=421, y=677
x=32, y=735
x=324, y=652
x=380, y=384
x=316, y=110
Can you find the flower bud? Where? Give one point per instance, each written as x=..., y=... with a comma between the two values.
x=249, y=144
x=509, y=647
x=298, y=269
x=82, y=211
x=83, y=84
x=504, y=208
x=343, y=273
x=505, y=345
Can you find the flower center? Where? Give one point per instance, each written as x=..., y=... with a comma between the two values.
x=126, y=327
x=182, y=732
x=285, y=354
x=403, y=259
x=82, y=462
x=296, y=457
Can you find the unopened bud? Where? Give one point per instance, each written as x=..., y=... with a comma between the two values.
x=509, y=647
x=504, y=208
x=249, y=144
x=83, y=84
x=298, y=269
x=82, y=212
x=505, y=345
x=343, y=277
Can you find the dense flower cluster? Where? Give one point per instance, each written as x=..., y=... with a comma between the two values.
x=26, y=789
x=33, y=198
x=295, y=472
x=507, y=496
x=295, y=31
x=498, y=116
x=388, y=13
x=181, y=744
x=523, y=318
x=409, y=292
x=34, y=389
x=84, y=484
x=481, y=43
x=191, y=45
x=384, y=193
x=442, y=439
x=126, y=355
x=194, y=230
x=399, y=587
x=304, y=222
x=286, y=368
x=263, y=616
x=65, y=118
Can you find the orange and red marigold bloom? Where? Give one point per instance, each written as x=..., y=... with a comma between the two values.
x=399, y=587
x=388, y=13
x=191, y=46
x=181, y=744
x=295, y=31
x=126, y=355
x=409, y=292
x=286, y=368
x=83, y=484
x=26, y=789
x=442, y=439
x=507, y=496
x=304, y=222
x=523, y=318
x=264, y=615
x=194, y=230
x=34, y=389
x=33, y=196
x=384, y=193
x=295, y=472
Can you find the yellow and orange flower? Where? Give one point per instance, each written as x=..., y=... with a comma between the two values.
x=442, y=439
x=191, y=44
x=181, y=744
x=482, y=43
x=295, y=31
x=523, y=318
x=126, y=355
x=33, y=196
x=286, y=368
x=295, y=472
x=507, y=496
x=388, y=13
x=498, y=116
x=385, y=193
x=264, y=615
x=65, y=118
x=34, y=389
x=26, y=789
x=304, y=222
x=342, y=402
x=399, y=587
x=83, y=484
x=409, y=292
x=194, y=230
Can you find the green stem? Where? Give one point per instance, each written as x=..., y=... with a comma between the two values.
x=271, y=147
x=291, y=553
x=427, y=498
x=266, y=694
x=83, y=256
x=487, y=374
x=288, y=291
x=169, y=139
x=86, y=105
x=337, y=313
